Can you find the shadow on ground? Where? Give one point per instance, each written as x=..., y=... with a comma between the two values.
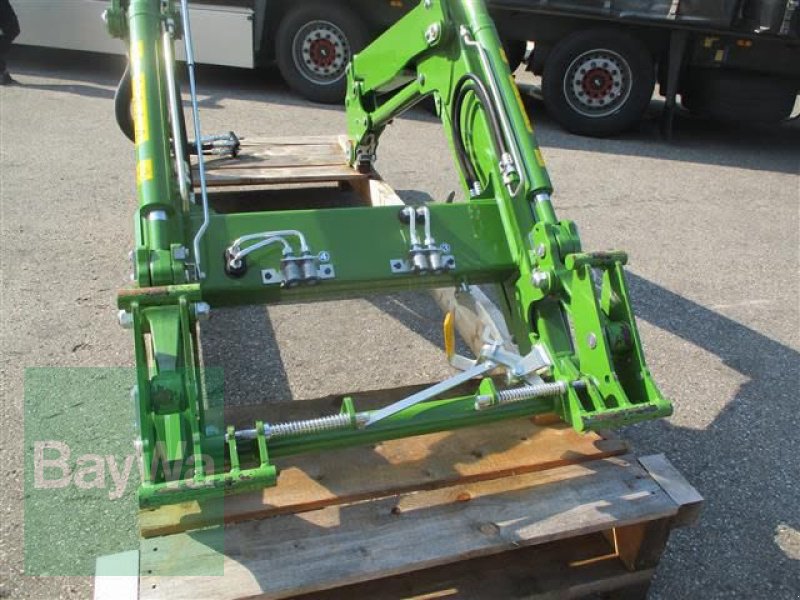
x=758, y=147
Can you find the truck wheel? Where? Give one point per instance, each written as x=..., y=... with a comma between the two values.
x=736, y=96
x=314, y=44
x=598, y=82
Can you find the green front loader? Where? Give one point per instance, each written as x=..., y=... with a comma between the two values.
x=567, y=341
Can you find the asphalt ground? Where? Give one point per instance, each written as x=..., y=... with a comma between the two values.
x=710, y=221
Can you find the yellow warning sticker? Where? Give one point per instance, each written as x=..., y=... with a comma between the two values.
x=539, y=158
x=137, y=52
x=144, y=170
x=514, y=87
x=140, y=121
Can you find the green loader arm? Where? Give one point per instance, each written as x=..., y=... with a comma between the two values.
x=575, y=303
x=577, y=350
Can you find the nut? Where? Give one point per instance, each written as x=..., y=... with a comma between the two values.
x=125, y=319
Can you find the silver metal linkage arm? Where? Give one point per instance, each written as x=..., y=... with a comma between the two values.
x=175, y=113
x=198, y=136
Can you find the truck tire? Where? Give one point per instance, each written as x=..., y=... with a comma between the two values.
x=738, y=96
x=314, y=44
x=598, y=82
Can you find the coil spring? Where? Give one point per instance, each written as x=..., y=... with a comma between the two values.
x=530, y=391
x=328, y=423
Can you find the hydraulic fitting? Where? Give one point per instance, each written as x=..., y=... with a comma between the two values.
x=234, y=267
x=425, y=255
x=435, y=259
x=291, y=270
x=433, y=252
x=509, y=169
x=308, y=266
x=419, y=262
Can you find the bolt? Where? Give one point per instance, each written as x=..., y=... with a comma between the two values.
x=432, y=33
x=180, y=253
x=591, y=339
x=202, y=310
x=540, y=279
x=541, y=250
x=125, y=319
x=421, y=79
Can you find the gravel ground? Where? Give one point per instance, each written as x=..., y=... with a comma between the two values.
x=710, y=222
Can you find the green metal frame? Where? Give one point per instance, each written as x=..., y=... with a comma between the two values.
x=575, y=304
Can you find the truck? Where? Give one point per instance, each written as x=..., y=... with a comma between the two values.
x=599, y=60
x=312, y=42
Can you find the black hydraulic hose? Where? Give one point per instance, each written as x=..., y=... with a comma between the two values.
x=461, y=153
x=491, y=109
x=123, y=99
x=469, y=82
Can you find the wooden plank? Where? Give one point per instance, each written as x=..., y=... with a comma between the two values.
x=331, y=148
x=299, y=174
x=417, y=463
x=342, y=544
x=640, y=545
x=117, y=576
x=562, y=569
x=687, y=498
x=280, y=156
x=281, y=160
x=291, y=140
x=277, y=162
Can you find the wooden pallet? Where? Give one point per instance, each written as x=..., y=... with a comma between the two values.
x=289, y=160
x=520, y=509
x=541, y=508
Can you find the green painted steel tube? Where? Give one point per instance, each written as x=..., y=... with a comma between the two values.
x=153, y=161
x=485, y=34
x=396, y=105
x=211, y=486
x=425, y=417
